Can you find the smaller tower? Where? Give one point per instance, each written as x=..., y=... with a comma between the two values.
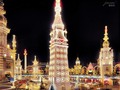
x=77, y=67
x=35, y=66
x=14, y=42
x=13, y=51
x=18, y=68
x=25, y=60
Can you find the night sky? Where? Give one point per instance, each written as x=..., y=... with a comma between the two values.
x=31, y=20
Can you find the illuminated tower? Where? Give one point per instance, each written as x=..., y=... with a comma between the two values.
x=25, y=60
x=3, y=38
x=105, y=60
x=14, y=47
x=77, y=67
x=18, y=68
x=35, y=67
x=13, y=51
x=58, y=69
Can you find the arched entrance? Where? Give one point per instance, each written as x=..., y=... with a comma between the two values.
x=117, y=69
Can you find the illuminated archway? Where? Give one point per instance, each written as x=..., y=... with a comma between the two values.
x=117, y=69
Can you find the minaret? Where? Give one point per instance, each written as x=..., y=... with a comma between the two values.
x=105, y=60
x=14, y=42
x=13, y=51
x=25, y=60
x=14, y=47
x=35, y=66
x=18, y=68
x=3, y=36
x=58, y=69
x=35, y=62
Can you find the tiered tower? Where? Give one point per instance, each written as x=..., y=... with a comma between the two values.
x=6, y=55
x=58, y=69
x=106, y=57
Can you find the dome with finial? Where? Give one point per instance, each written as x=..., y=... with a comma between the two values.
x=35, y=62
x=77, y=61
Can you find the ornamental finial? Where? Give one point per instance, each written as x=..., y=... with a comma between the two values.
x=106, y=34
x=106, y=38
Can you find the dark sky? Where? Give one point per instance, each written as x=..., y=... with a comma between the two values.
x=31, y=20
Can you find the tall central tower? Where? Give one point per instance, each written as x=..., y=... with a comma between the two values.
x=58, y=70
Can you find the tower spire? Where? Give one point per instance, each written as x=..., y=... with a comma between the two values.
x=58, y=20
x=106, y=38
x=3, y=23
x=35, y=62
x=25, y=60
x=14, y=42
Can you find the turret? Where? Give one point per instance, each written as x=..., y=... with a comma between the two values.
x=35, y=67
x=35, y=62
x=18, y=68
